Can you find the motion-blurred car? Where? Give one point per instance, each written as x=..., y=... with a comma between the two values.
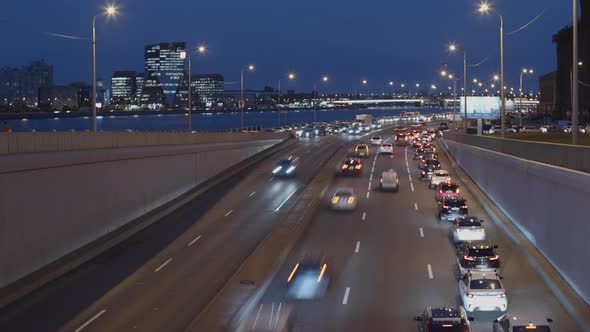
x=268, y=317
x=362, y=150
x=548, y=128
x=344, y=199
x=530, y=129
x=389, y=181
x=444, y=319
x=525, y=322
x=351, y=166
x=309, y=279
x=481, y=291
x=402, y=139
x=386, y=148
x=477, y=256
x=438, y=177
x=446, y=189
x=308, y=133
x=376, y=140
x=451, y=207
x=286, y=167
x=467, y=228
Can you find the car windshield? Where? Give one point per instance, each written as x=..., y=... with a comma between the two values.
x=485, y=284
x=523, y=328
x=487, y=252
x=441, y=174
x=448, y=187
x=386, y=145
x=455, y=203
x=469, y=223
x=376, y=138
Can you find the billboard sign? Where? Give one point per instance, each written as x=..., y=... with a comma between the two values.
x=481, y=107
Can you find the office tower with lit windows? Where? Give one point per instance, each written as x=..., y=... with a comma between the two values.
x=207, y=89
x=164, y=83
x=123, y=87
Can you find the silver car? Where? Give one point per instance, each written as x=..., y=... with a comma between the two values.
x=344, y=199
x=467, y=229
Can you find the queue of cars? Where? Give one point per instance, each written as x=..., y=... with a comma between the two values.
x=480, y=284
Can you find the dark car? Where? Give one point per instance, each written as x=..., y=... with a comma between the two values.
x=525, y=322
x=427, y=167
x=402, y=139
x=444, y=320
x=446, y=189
x=286, y=167
x=351, y=166
x=451, y=207
x=309, y=278
x=477, y=256
x=443, y=126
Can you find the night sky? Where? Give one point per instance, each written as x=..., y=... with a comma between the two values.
x=349, y=40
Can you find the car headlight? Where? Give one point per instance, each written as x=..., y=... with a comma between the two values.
x=276, y=170
x=290, y=169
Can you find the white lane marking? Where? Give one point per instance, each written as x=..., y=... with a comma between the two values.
x=369, y=187
x=88, y=322
x=373, y=169
x=416, y=206
x=412, y=186
x=193, y=241
x=252, y=194
x=430, y=271
x=162, y=266
x=278, y=314
x=364, y=216
x=346, y=293
x=410, y=177
x=421, y=232
x=408, y=170
x=257, y=316
x=371, y=177
x=358, y=246
x=286, y=199
x=270, y=179
x=368, y=194
x=228, y=213
x=272, y=311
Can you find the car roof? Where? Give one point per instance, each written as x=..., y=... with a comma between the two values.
x=479, y=244
x=344, y=191
x=439, y=171
x=478, y=275
x=445, y=314
x=524, y=318
x=350, y=160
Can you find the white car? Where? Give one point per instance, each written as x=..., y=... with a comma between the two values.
x=438, y=177
x=547, y=128
x=376, y=140
x=344, y=199
x=568, y=129
x=481, y=291
x=386, y=148
x=498, y=129
x=467, y=229
x=389, y=181
x=530, y=129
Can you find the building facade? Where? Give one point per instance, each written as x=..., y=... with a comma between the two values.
x=20, y=86
x=165, y=83
x=563, y=41
x=123, y=88
x=207, y=89
x=58, y=98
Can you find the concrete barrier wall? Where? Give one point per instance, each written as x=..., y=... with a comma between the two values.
x=54, y=203
x=568, y=156
x=549, y=204
x=25, y=142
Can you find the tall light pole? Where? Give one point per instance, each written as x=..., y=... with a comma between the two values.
x=242, y=103
x=201, y=49
x=454, y=79
x=315, y=91
x=109, y=11
x=575, y=85
x=522, y=73
x=453, y=48
x=289, y=77
x=485, y=8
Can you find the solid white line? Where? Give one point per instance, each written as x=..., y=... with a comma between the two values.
x=368, y=194
x=258, y=315
x=252, y=194
x=286, y=199
x=88, y=322
x=364, y=216
x=358, y=245
x=421, y=232
x=228, y=213
x=416, y=206
x=430, y=271
x=346, y=293
x=193, y=241
x=162, y=266
x=412, y=186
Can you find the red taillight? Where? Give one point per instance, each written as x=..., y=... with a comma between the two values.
x=467, y=258
x=495, y=258
x=501, y=296
x=440, y=191
x=445, y=206
x=470, y=296
x=464, y=207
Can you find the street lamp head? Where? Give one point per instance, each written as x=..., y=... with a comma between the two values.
x=451, y=76
x=452, y=47
x=291, y=76
x=493, y=86
x=110, y=10
x=484, y=7
x=480, y=84
x=403, y=85
x=325, y=78
x=201, y=49
x=390, y=83
x=364, y=82
x=475, y=80
x=525, y=70
x=433, y=87
x=443, y=73
x=496, y=78
x=417, y=85
x=580, y=63
x=250, y=67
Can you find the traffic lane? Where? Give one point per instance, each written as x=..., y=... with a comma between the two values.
x=48, y=309
x=250, y=223
x=525, y=287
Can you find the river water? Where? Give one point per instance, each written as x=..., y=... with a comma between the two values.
x=202, y=121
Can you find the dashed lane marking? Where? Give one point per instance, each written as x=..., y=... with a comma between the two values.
x=88, y=322
x=430, y=275
x=346, y=293
x=364, y=216
x=358, y=246
x=421, y=232
x=412, y=186
x=252, y=194
x=193, y=241
x=416, y=206
x=228, y=213
x=368, y=194
x=163, y=265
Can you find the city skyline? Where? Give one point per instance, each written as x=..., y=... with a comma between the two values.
x=367, y=49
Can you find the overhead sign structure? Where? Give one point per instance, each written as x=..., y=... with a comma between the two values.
x=481, y=107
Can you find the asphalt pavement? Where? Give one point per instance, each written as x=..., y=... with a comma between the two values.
x=391, y=258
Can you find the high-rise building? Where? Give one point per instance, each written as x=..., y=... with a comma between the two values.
x=58, y=98
x=20, y=86
x=139, y=79
x=207, y=89
x=164, y=75
x=123, y=87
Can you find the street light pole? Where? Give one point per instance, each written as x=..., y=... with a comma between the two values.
x=242, y=99
x=522, y=73
x=503, y=92
x=190, y=95
x=94, y=73
x=465, y=89
x=575, y=85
